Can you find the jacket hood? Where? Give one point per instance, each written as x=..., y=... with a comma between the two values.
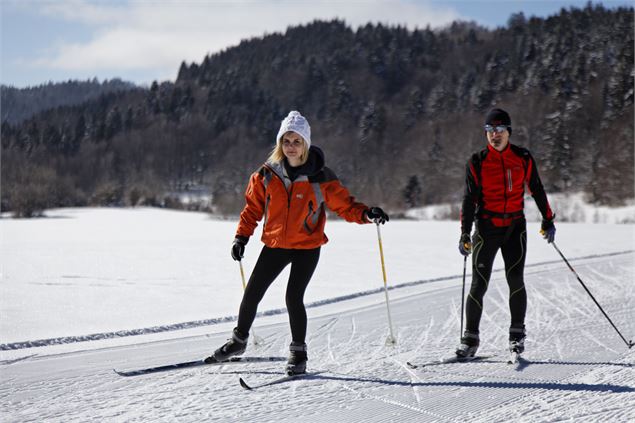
x=314, y=163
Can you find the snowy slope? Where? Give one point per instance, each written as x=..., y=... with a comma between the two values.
x=577, y=368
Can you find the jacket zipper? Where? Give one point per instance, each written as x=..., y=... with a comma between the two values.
x=504, y=186
x=286, y=218
x=509, y=179
x=264, y=224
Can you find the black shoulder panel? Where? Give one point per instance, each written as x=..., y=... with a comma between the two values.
x=520, y=151
x=477, y=159
x=324, y=175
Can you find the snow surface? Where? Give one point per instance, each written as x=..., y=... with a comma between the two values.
x=168, y=275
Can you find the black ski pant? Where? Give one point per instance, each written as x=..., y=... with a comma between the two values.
x=487, y=240
x=269, y=265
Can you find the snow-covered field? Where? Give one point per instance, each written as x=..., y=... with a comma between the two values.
x=167, y=277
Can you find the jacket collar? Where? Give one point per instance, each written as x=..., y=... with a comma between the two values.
x=313, y=165
x=504, y=152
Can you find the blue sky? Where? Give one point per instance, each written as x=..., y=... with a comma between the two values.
x=142, y=41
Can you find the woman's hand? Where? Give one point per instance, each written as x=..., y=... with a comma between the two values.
x=238, y=247
x=377, y=215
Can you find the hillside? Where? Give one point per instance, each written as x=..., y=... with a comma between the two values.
x=19, y=104
x=398, y=113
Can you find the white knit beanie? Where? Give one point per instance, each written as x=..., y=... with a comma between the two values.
x=297, y=123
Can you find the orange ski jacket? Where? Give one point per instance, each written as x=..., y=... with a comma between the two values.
x=294, y=213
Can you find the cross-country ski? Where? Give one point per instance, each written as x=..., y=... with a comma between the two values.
x=447, y=360
x=276, y=381
x=196, y=363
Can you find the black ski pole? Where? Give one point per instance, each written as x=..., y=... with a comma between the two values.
x=463, y=295
x=628, y=343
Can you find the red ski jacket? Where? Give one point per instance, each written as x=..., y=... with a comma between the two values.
x=495, y=187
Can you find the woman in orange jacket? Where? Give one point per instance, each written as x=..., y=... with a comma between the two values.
x=290, y=191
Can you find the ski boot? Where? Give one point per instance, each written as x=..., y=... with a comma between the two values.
x=297, y=359
x=517, y=340
x=233, y=347
x=469, y=345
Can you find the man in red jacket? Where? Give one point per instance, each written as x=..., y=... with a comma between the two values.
x=494, y=190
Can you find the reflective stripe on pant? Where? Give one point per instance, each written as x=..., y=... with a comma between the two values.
x=487, y=240
x=269, y=265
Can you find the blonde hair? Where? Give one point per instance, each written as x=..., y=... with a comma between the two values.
x=277, y=155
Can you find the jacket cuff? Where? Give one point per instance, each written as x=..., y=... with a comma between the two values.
x=553, y=217
x=242, y=239
x=365, y=218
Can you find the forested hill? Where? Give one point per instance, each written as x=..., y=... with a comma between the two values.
x=18, y=104
x=397, y=112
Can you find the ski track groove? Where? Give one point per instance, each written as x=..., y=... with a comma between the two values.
x=493, y=376
x=395, y=403
x=353, y=331
x=330, y=350
x=535, y=396
x=592, y=338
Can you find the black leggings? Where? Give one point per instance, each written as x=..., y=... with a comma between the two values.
x=269, y=265
x=487, y=240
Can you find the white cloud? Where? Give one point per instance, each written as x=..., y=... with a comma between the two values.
x=156, y=36
x=83, y=11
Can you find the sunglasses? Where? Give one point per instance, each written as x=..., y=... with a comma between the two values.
x=498, y=128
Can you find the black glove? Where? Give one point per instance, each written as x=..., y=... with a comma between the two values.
x=238, y=247
x=377, y=215
x=465, y=244
x=548, y=230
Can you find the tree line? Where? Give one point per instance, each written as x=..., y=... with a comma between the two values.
x=397, y=112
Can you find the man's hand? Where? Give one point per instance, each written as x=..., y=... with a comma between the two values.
x=548, y=230
x=465, y=244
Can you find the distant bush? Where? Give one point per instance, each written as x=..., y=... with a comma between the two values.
x=106, y=194
x=33, y=194
x=140, y=195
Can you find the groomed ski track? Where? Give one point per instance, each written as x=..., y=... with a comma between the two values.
x=575, y=368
